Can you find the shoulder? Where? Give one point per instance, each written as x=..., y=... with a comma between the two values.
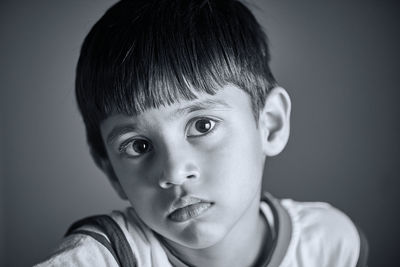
x=79, y=250
x=320, y=219
x=321, y=235
x=119, y=239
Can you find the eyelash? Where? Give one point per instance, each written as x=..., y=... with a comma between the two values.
x=193, y=121
x=124, y=145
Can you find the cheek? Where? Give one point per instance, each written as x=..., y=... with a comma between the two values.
x=146, y=200
x=237, y=161
x=140, y=183
x=135, y=174
x=136, y=183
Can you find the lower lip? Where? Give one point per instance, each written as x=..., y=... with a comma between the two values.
x=189, y=212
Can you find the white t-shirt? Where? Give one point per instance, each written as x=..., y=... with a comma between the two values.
x=307, y=234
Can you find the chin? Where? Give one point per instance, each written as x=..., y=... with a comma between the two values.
x=201, y=237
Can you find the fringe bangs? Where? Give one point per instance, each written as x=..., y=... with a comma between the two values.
x=147, y=54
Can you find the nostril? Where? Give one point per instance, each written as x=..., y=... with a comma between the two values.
x=166, y=185
x=177, y=177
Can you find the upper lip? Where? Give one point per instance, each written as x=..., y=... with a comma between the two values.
x=183, y=202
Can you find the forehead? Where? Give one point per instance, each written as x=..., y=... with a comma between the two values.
x=228, y=98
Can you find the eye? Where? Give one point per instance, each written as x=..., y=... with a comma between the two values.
x=136, y=147
x=201, y=127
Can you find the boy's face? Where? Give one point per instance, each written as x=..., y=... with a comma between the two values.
x=191, y=170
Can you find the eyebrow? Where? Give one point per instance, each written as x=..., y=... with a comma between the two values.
x=120, y=130
x=214, y=104
x=201, y=105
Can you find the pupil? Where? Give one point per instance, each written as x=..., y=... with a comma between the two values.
x=203, y=125
x=140, y=146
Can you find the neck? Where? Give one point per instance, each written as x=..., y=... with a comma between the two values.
x=242, y=246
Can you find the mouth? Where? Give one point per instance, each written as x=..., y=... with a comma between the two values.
x=187, y=208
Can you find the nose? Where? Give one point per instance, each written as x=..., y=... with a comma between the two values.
x=179, y=166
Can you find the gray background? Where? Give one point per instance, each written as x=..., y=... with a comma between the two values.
x=338, y=60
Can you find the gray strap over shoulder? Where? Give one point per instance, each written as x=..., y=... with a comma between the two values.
x=116, y=243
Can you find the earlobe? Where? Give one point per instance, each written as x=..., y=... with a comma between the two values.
x=274, y=121
x=105, y=165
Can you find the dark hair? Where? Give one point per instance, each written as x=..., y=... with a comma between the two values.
x=146, y=53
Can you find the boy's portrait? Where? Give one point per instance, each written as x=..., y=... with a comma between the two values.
x=199, y=133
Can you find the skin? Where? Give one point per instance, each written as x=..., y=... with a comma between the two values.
x=211, y=149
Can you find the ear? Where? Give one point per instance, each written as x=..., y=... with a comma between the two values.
x=105, y=165
x=274, y=121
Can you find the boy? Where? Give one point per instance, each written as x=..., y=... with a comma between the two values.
x=181, y=111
